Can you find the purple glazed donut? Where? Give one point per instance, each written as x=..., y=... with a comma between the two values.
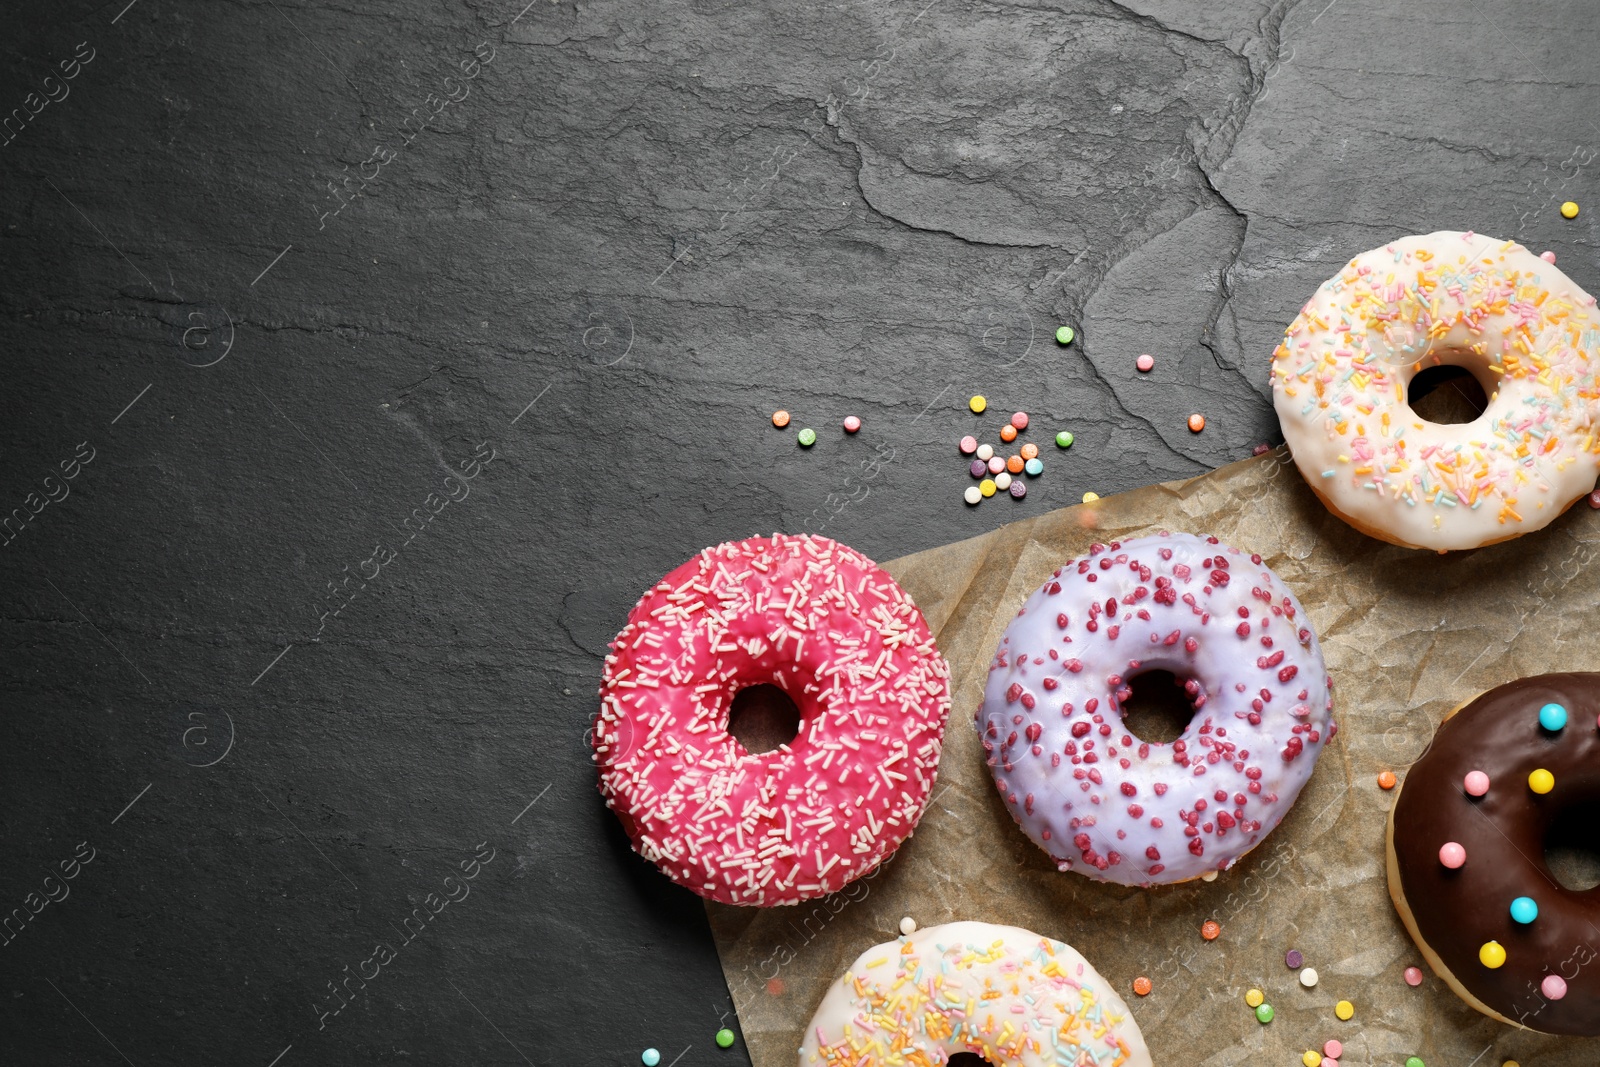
x=1122, y=810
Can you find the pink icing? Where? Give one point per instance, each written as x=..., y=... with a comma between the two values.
x=1119, y=809
x=836, y=633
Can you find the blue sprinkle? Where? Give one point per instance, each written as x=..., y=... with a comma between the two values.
x=1552, y=717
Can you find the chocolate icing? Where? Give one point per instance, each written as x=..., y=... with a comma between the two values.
x=1504, y=833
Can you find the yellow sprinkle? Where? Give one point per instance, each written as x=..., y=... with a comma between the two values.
x=1311, y=1058
x=1344, y=1010
x=1569, y=210
x=1090, y=498
x=986, y=487
x=977, y=404
x=1254, y=998
x=1541, y=781
x=878, y=962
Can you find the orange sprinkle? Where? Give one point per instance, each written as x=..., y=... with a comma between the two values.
x=1197, y=422
x=1210, y=930
x=1014, y=464
x=1008, y=432
x=1030, y=451
x=780, y=419
x=1141, y=986
x=1386, y=780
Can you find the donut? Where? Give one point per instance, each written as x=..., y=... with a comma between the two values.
x=1516, y=323
x=1121, y=809
x=1466, y=864
x=823, y=623
x=1011, y=996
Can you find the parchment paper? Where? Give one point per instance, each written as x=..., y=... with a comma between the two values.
x=1408, y=635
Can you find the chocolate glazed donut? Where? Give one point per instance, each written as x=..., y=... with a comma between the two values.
x=1545, y=974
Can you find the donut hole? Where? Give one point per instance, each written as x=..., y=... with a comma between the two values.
x=763, y=718
x=1572, y=847
x=1157, y=709
x=968, y=1059
x=1447, y=395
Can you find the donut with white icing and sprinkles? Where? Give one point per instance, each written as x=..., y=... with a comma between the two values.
x=1121, y=809
x=844, y=641
x=1009, y=995
x=1526, y=331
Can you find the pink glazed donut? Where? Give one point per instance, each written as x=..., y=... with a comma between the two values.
x=845, y=642
x=1122, y=810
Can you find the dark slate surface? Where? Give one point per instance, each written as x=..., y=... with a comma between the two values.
x=277, y=718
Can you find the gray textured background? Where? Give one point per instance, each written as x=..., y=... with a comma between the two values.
x=654, y=224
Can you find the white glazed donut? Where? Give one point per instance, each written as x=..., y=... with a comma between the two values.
x=1013, y=997
x=1519, y=325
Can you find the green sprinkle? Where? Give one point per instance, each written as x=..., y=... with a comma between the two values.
x=1264, y=1014
x=1064, y=438
x=1064, y=335
x=1413, y=1061
x=724, y=1038
x=808, y=437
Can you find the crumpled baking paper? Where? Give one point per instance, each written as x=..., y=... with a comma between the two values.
x=1408, y=636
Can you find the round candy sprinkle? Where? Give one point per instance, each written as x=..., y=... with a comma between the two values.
x=977, y=404
x=1311, y=1059
x=1327, y=1062
x=851, y=424
x=1145, y=364
x=1414, y=1061
x=1308, y=977
x=1210, y=929
x=1548, y=257
x=1064, y=335
x=1064, y=440
x=978, y=468
x=1452, y=855
x=807, y=437
x=1524, y=910
x=780, y=419
x=1294, y=959
x=1019, y=489
x=1197, y=422
x=908, y=926
x=650, y=1057
x=1333, y=1048
x=1541, y=781
x=1492, y=954
x=1264, y=1014
x=969, y=445
x=1261, y=449
x=1476, y=783
x=1552, y=717
x=1386, y=780
x=1008, y=433
x=985, y=451
x=996, y=464
x=724, y=1038
x=1413, y=976
x=1141, y=986
x=1553, y=986
x=973, y=495
x=1209, y=876
x=1345, y=1011
x=1029, y=450
x=1002, y=481
x=1019, y=420
x=1569, y=210
x=1255, y=998
x=1014, y=464
x=1090, y=498
x=986, y=487
x=1594, y=499
x=1511, y=1063
x=1034, y=467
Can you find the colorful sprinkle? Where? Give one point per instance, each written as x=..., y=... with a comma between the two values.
x=908, y=926
x=986, y=487
x=807, y=437
x=1019, y=420
x=1386, y=780
x=1264, y=1014
x=724, y=1038
x=1091, y=497
x=1002, y=481
x=1594, y=499
x=1294, y=959
x=1034, y=466
x=1415, y=1061
x=1553, y=717
x=1064, y=335
x=851, y=424
x=1141, y=986
x=1008, y=433
x=978, y=468
x=1524, y=910
x=977, y=404
x=1308, y=977
x=1261, y=449
x=1554, y=986
x=1569, y=210
x=1345, y=1011
x=1210, y=929
x=996, y=464
x=1492, y=955
x=650, y=1057
x=1014, y=464
x=1197, y=422
x=969, y=445
x=1019, y=489
x=1146, y=364
x=1029, y=450
x=1452, y=855
x=985, y=451
x=1333, y=1048
x=1541, y=781
x=1255, y=998
x=1311, y=1059
x=1413, y=976
x=1064, y=440
x=1548, y=257
x=780, y=419
x=973, y=495
x=1476, y=783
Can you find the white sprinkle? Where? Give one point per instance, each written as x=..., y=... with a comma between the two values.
x=908, y=926
x=1308, y=977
